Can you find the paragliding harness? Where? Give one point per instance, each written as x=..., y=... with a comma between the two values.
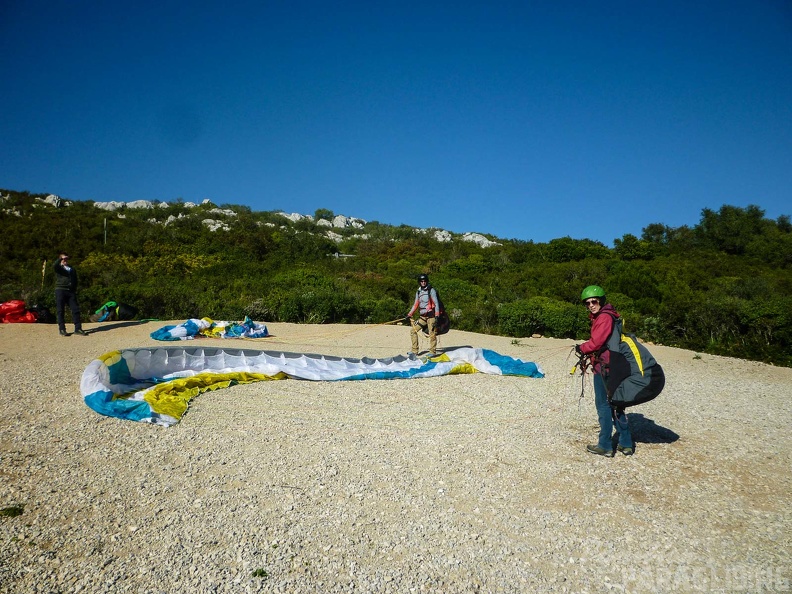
x=112, y=311
x=442, y=323
x=632, y=376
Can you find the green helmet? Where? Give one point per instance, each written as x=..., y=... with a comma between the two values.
x=592, y=291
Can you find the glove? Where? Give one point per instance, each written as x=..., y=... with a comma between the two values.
x=578, y=351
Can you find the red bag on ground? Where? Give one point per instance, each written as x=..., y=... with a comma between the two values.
x=14, y=312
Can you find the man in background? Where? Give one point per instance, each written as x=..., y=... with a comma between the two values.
x=428, y=306
x=66, y=292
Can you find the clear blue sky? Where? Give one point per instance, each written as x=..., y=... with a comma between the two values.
x=527, y=120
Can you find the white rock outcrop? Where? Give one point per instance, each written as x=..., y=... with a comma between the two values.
x=223, y=211
x=116, y=205
x=341, y=222
x=479, y=239
x=338, y=222
x=437, y=234
x=140, y=204
x=53, y=200
x=334, y=236
x=113, y=205
x=295, y=216
x=213, y=225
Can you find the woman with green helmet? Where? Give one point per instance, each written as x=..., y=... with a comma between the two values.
x=602, y=317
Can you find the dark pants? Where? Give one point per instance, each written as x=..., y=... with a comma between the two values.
x=62, y=297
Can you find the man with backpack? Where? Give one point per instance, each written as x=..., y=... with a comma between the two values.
x=428, y=306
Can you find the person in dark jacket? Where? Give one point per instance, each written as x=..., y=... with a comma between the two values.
x=66, y=292
x=602, y=315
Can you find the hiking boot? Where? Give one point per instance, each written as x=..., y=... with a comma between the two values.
x=595, y=449
x=625, y=451
x=81, y=332
x=64, y=333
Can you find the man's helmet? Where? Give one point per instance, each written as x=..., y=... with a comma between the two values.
x=424, y=277
x=593, y=291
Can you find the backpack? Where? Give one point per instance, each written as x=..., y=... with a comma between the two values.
x=43, y=315
x=112, y=311
x=125, y=312
x=632, y=376
x=443, y=322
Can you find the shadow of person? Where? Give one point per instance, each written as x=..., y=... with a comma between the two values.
x=114, y=326
x=647, y=431
x=452, y=348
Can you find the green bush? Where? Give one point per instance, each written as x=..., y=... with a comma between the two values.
x=542, y=315
x=387, y=309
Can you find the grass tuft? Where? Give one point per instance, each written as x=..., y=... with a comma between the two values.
x=12, y=511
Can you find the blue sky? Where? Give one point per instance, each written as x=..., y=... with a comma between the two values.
x=527, y=120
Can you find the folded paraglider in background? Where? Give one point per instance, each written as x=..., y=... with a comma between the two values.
x=155, y=385
x=112, y=311
x=207, y=328
x=15, y=312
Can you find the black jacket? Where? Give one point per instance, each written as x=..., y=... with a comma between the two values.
x=65, y=278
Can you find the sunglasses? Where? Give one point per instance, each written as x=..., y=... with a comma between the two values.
x=591, y=302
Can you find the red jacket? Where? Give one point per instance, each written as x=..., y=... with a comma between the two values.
x=601, y=328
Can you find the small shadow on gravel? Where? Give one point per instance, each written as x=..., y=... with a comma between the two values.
x=647, y=431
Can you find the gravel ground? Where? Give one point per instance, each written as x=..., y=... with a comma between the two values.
x=471, y=483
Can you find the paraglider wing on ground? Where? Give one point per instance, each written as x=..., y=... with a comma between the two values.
x=155, y=385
